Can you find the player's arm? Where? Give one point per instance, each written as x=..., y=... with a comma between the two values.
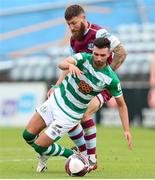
x=61, y=78
x=70, y=65
x=116, y=47
x=65, y=67
x=119, y=56
x=116, y=90
x=65, y=72
x=123, y=112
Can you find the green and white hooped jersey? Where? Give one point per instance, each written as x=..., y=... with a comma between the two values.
x=74, y=94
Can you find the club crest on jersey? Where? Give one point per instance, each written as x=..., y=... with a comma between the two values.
x=84, y=87
x=90, y=46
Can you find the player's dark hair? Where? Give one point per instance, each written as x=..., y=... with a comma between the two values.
x=102, y=43
x=72, y=11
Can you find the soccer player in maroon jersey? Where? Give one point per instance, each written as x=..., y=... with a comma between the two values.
x=83, y=35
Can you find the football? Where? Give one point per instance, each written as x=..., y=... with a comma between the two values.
x=77, y=165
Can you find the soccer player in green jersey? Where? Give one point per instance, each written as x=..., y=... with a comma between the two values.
x=88, y=75
x=83, y=34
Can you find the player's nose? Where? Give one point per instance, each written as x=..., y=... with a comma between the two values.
x=99, y=58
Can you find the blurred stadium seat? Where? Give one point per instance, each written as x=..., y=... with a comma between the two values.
x=139, y=41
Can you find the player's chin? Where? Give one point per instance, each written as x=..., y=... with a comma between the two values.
x=99, y=63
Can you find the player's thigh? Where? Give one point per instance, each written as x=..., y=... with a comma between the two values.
x=36, y=124
x=92, y=108
x=60, y=126
x=42, y=118
x=94, y=103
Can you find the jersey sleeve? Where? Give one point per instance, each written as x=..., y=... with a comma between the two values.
x=79, y=58
x=115, y=89
x=113, y=39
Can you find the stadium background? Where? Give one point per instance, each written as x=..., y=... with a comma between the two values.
x=34, y=39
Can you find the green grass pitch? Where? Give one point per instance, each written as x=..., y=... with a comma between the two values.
x=18, y=160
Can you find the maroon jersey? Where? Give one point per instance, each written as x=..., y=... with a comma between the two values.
x=86, y=45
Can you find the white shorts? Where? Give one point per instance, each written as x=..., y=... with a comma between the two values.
x=57, y=122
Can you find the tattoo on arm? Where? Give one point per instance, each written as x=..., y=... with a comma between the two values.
x=119, y=56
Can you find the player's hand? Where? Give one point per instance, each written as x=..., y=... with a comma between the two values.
x=85, y=118
x=75, y=70
x=50, y=92
x=127, y=135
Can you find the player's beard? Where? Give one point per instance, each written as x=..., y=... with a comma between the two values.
x=99, y=64
x=79, y=34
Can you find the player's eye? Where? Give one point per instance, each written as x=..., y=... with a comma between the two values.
x=96, y=54
x=103, y=55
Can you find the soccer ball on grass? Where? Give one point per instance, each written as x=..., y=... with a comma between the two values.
x=77, y=165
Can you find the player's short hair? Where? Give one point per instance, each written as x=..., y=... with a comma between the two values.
x=102, y=43
x=72, y=11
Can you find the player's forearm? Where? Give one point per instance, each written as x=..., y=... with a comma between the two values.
x=123, y=111
x=62, y=77
x=64, y=65
x=119, y=56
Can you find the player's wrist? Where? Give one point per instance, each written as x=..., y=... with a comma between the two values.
x=54, y=86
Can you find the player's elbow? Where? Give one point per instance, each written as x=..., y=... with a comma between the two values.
x=62, y=66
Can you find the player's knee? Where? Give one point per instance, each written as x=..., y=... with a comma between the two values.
x=29, y=137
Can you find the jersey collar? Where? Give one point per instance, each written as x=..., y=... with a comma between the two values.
x=89, y=25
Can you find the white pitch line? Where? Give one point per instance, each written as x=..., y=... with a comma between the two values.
x=20, y=160
x=15, y=149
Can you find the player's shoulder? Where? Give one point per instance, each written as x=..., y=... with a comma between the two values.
x=87, y=56
x=82, y=55
x=102, y=33
x=112, y=73
x=94, y=27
